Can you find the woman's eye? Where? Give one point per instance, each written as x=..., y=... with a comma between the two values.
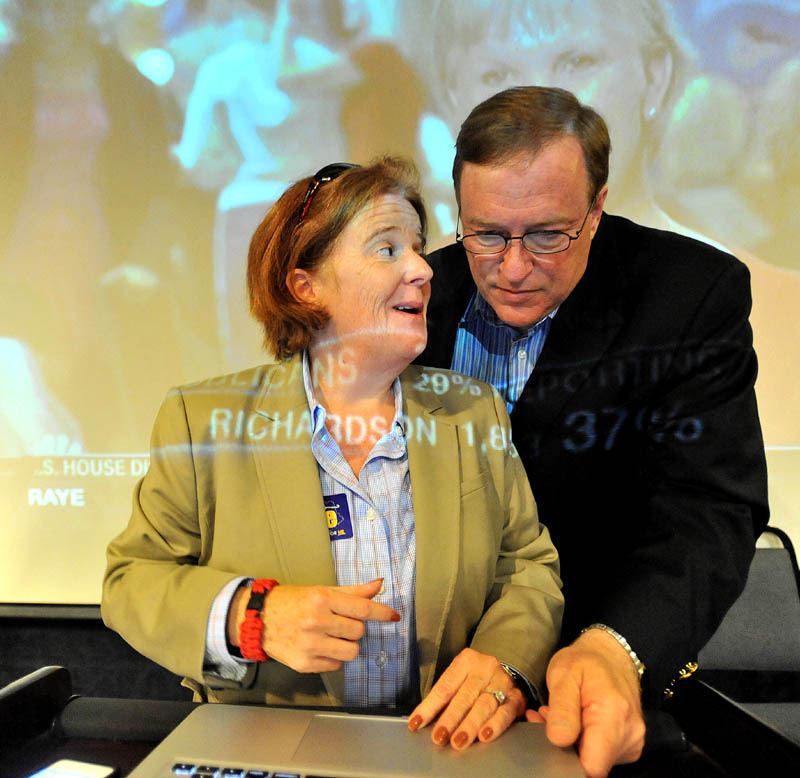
x=496, y=76
x=386, y=251
x=576, y=63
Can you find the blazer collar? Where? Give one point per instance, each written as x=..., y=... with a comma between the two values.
x=434, y=465
x=289, y=481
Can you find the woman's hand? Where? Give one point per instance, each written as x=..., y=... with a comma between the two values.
x=469, y=710
x=313, y=629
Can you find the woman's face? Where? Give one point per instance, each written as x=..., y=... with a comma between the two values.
x=376, y=285
x=583, y=49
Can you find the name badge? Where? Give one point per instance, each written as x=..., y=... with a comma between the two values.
x=337, y=514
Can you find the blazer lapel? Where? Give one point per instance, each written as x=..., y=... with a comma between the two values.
x=289, y=481
x=434, y=467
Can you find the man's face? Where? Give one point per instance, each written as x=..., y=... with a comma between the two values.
x=548, y=191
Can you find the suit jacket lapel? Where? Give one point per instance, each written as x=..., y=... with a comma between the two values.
x=290, y=487
x=584, y=328
x=434, y=468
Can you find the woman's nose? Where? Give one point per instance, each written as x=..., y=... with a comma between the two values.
x=418, y=270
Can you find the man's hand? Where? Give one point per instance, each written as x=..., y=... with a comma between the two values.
x=468, y=712
x=313, y=629
x=595, y=700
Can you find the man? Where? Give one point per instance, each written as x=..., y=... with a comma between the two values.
x=625, y=356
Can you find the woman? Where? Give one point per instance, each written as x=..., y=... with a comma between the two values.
x=326, y=472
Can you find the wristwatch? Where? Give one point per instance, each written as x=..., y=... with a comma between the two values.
x=524, y=685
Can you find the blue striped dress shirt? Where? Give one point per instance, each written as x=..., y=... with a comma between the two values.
x=493, y=351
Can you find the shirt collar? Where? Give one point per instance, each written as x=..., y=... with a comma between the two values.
x=478, y=308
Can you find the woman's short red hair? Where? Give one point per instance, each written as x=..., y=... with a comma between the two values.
x=282, y=242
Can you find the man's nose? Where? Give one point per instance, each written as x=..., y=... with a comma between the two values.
x=516, y=262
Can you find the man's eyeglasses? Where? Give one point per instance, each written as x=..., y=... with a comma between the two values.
x=322, y=176
x=539, y=242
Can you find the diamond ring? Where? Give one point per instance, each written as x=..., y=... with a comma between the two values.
x=500, y=696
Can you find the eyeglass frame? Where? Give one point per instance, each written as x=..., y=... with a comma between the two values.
x=521, y=238
x=323, y=176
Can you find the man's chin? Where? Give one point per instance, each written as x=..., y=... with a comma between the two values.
x=518, y=318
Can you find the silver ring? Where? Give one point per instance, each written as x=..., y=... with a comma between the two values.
x=500, y=696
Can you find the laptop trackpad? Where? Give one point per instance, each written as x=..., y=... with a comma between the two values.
x=380, y=746
x=372, y=744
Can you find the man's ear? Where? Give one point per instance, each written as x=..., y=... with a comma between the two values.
x=600, y=200
x=597, y=209
x=300, y=284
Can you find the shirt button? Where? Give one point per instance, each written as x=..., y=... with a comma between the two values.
x=381, y=659
x=371, y=514
x=522, y=354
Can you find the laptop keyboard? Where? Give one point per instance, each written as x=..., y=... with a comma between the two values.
x=184, y=769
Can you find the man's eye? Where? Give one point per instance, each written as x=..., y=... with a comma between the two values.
x=544, y=239
x=488, y=239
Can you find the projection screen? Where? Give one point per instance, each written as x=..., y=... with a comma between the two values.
x=142, y=142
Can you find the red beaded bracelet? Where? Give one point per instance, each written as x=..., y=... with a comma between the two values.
x=252, y=627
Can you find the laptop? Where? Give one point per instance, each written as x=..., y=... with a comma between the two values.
x=239, y=741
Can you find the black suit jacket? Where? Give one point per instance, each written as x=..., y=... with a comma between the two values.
x=640, y=435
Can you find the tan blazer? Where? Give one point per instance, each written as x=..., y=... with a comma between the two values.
x=233, y=489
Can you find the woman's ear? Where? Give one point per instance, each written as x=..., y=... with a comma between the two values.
x=658, y=74
x=300, y=284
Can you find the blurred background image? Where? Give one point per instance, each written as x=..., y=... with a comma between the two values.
x=142, y=141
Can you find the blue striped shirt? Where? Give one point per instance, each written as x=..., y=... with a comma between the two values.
x=493, y=351
x=383, y=545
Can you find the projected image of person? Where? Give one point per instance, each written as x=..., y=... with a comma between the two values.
x=242, y=76
x=589, y=48
x=32, y=420
x=741, y=100
x=666, y=172
x=624, y=355
x=360, y=531
x=87, y=178
x=744, y=193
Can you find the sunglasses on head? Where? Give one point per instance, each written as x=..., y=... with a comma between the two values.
x=322, y=176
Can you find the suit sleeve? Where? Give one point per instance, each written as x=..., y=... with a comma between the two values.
x=156, y=592
x=704, y=475
x=522, y=621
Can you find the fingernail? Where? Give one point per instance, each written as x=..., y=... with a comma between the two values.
x=395, y=616
x=460, y=740
x=414, y=722
x=487, y=733
x=441, y=736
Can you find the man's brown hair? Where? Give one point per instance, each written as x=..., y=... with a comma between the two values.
x=519, y=122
